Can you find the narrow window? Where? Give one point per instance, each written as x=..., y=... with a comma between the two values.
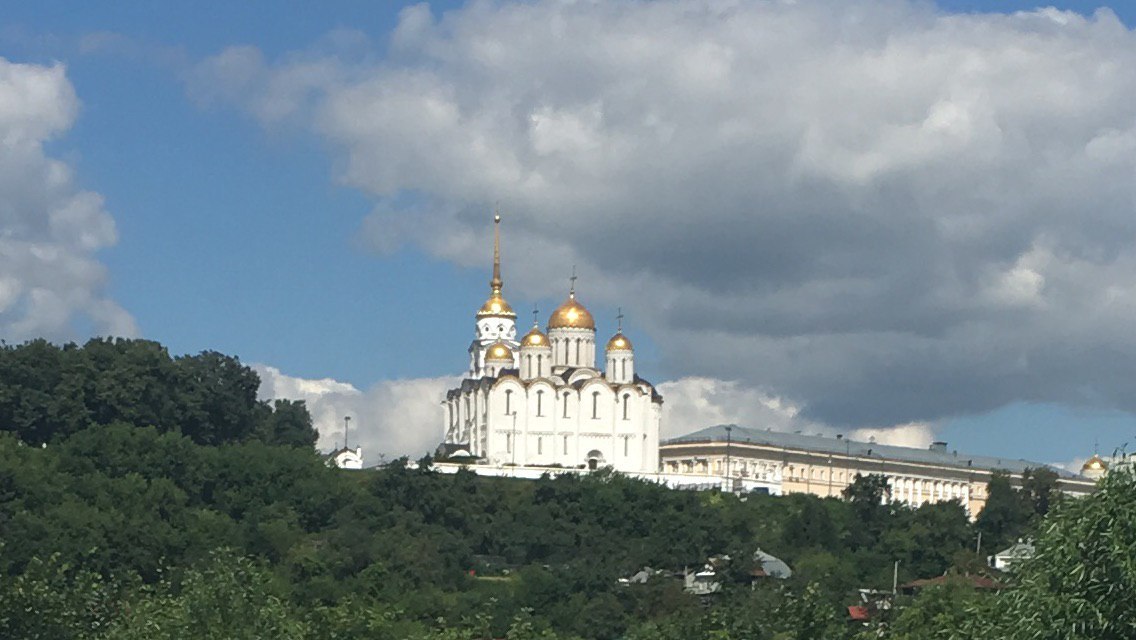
x=565, y=404
x=625, y=446
x=539, y=403
x=539, y=365
x=508, y=443
x=595, y=405
x=530, y=364
x=623, y=367
x=577, y=351
x=539, y=445
x=565, y=445
x=508, y=401
x=626, y=397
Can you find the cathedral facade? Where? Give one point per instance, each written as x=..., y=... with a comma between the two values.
x=541, y=401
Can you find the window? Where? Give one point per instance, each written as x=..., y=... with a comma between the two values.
x=508, y=401
x=626, y=397
x=623, y=368
x=565, y=445
x=565, y=404
x=625, y=447
x=539, y=365
x=539, y=402
x=577, y=351
x=595, y=405
x=508, y=443
x=539, y=445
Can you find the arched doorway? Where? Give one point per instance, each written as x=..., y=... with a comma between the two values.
x=595, y=460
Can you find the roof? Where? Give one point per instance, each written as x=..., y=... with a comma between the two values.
x=1018, y=550
x=844, y=446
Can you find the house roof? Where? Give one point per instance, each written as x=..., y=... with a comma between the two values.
x=845, y=446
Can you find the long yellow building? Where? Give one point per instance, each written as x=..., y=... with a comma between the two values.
x=824, y=466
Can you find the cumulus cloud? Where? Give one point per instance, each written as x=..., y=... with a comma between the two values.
x=693, y=403
x=51, y=283
x=402, y=417
x=393, y=418
x=884, y=213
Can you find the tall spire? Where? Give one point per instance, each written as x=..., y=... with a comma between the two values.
x=572, y=287
x=495, y=283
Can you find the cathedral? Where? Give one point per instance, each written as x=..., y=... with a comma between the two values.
x=541, y=401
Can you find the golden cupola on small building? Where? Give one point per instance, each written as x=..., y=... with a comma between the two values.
x=1094, y=468
x=572, y=331
x=619, y=357
x=498, y=357
x=536, y=354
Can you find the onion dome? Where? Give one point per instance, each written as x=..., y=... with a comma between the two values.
x=496, y=306
x=1094, y=464
x=619, y=342
x=499, y=351
x=571, y=315
x=534, y=338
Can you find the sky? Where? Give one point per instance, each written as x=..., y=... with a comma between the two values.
x=891, y=219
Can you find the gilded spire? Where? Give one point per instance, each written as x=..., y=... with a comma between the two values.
x=496, y=305
x=495, y=283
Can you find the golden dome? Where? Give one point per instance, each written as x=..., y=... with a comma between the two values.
x=534, y=338
x=499, y=351
x=496, y=306
x=571, y=315
x=619, y=342
x=1094, y=463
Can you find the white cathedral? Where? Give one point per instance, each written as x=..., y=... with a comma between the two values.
x=541, y=401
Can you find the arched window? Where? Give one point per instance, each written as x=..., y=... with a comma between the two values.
x=539, y=365
x=577, y=351
x=565, y=404
x=539, y=445
x=565, y=451
x=625, y=440
x=539, y=402
x=529, y=357
x=623, y=368
x=626, y=404
x=595, y=405
x=508, y=401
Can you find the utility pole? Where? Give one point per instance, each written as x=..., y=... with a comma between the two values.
x=513, y=443
x=729, y=480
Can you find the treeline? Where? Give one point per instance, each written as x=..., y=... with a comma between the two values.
x=169, y=503
x=49, y=393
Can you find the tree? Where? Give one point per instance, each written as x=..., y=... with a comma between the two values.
x=1079, y=584
x=1006, y=514
x=287, y=423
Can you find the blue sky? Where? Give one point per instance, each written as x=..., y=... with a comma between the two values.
x=312, y=244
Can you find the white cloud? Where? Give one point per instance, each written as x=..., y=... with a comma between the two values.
x=403, y=417
x=690, y=404
x=393, y=418
x=886, y=212
x=50, y=230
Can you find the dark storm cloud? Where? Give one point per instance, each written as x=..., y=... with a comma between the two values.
x=879, y=212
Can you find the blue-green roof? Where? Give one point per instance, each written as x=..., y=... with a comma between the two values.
x=844, y=446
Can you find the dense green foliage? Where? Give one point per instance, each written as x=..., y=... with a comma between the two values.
x=169, y=503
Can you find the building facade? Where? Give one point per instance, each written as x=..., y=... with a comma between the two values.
x=540, y=400
x=824, y=466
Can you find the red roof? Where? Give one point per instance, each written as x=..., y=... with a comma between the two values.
x=859, y=614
